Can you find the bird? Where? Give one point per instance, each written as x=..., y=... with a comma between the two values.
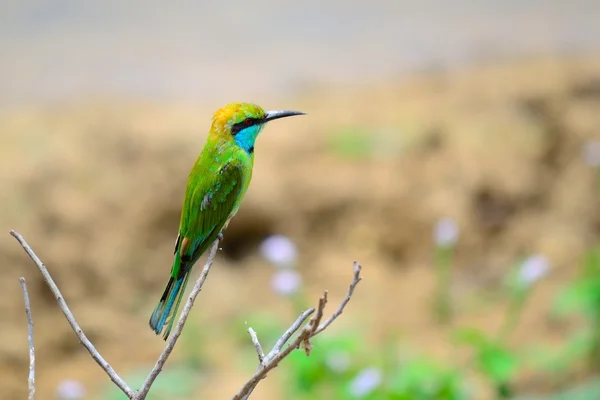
x=215, y=188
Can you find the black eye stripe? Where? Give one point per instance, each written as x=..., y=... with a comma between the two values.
x=248, y=122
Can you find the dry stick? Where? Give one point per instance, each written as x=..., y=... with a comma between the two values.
x=310, y=330
x=357, y=278
x=288, y=334
x=141, y=394
x=71, y=319
x=316, y=319
x=276, y=355
x=31, y=380
x=143, y=391
x=257, y=346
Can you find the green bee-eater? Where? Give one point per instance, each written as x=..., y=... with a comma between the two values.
x=215, y=188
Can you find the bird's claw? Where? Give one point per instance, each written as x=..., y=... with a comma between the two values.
x=220, y=236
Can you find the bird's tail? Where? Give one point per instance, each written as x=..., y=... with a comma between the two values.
x=167, y=307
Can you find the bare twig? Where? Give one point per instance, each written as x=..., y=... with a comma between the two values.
x=71, y=319
x=257, y=346
x=310, y=330
x=316, y=319
x=357, y=278
x=288, y=334
x=143, y=391
x=141, y=394
x=31, y=380
x=272, y=359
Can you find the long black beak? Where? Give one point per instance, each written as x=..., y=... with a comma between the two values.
x=271, y=115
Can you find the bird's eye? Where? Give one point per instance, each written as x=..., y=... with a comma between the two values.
x=243, y=124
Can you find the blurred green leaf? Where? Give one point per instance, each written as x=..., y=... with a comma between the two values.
x=499, y=363
x=592, y=261
x=560, y=361
x=578, y=297
x=493, y=358
x=587, y=391
x=582, y=295
x=331, y=363
x=423, y=378
x=471, y=336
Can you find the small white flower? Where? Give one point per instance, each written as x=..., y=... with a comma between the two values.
x=445, y=232
x=286, y=282
x=70, y=389
x=279, y=250
x=338, y=362
x=365, y=382
x=591, y=153
x=533, y=269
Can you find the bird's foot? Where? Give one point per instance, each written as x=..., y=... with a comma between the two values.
x=220, y=236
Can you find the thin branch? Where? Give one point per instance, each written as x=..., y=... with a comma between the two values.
x=310, y=330
x=31, y=380
x=143, y=391
x=141, y=394
x=316, y=319
x=275, y=355
x=313, y=324
x=257, y=346
x=357, y=278
x=288, y=334
x=278, y=345
x=117, y=380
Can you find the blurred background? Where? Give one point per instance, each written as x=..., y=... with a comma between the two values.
x=453, y=148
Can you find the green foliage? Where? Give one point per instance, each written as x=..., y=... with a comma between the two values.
x=586, y=391
x=558, y=362
x=341, y=367
x=423, y=378
x=583, y=295
x=331, y=365
x=492, y=357
x=582, y=298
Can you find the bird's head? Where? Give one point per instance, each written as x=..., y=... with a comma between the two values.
x=242, y=122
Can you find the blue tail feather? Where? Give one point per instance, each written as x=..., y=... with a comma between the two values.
x=167, y=306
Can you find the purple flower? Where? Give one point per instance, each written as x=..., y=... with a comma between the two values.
x=70, y=389
x=533, y=269
x=279, y=250
x=445, y=232
x=366, y=382
x=286, y=282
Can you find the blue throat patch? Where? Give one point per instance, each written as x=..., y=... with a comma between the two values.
x=246, y=137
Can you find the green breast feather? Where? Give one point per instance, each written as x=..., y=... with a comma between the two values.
x=213, y=195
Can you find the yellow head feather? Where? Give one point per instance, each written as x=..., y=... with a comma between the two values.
x=232, y=114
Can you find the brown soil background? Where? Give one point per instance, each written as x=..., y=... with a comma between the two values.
x=95, y=187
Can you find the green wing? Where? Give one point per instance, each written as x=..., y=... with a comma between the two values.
x=210, y=200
